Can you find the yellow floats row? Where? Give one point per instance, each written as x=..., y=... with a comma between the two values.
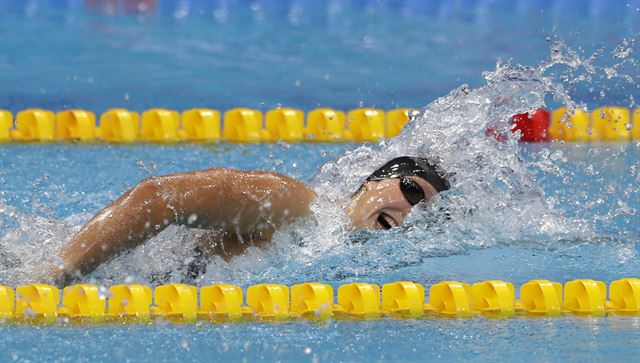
x=40, y=303
x=240, y=125
x=609, y=123
x=117, y=125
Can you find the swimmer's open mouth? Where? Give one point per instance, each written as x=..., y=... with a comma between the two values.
x=386, y=221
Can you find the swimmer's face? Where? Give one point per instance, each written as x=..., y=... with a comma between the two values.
x=384, y=204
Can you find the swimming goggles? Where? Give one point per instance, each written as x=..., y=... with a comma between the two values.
x=411, y=190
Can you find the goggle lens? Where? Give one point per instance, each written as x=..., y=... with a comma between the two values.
x=411, y=191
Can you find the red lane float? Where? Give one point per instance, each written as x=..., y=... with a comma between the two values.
x=533, y=128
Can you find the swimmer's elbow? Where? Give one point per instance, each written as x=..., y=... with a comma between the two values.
x=153, y=196
x=148, y=189
x=290, y=198
x=299, y=198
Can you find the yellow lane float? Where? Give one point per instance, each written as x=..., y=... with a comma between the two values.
x=396, y=119
x=176, y=302
x=7, y=303
x=365, y=124
x=6, y=124
x=34, y=125
x=200, y=124
x=541, y=297
x=160, y=125
x=286, y=124
x=269, y=301
x=76, y=125
x=37, y=303
x=312, y=300
x=243, y=125
x=325, y=125
x=222, y=301
x=119, y=125
x=129, y=302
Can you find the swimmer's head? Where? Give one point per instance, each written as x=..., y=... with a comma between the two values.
x=388, y=194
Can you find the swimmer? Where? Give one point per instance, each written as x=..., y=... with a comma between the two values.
x=238, y=209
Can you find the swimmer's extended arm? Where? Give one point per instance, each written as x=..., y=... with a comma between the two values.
x=242, y=202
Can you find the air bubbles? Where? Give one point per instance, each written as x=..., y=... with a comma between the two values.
x=184, y=344
x=367, y=41
x=104, y=293
x=557, y=155
x=192, y=218
x=221, y=14
x=622, y=51
x=181, y=12
x=624, y=209
x=295, y=14
x=283, y=145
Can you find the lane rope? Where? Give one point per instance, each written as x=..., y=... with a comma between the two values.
x=246, y=125
x=85, y=303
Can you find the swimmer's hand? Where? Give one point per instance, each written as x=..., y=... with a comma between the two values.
x=249, y=204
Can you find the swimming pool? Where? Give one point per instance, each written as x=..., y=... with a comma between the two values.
x=64, y=192
x=189, y=53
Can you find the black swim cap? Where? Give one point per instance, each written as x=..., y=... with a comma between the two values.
x=411, y=166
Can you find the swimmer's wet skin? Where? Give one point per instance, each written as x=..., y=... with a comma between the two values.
x=240, y=208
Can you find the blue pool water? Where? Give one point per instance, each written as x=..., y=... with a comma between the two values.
x=181, y=54
x=570, y=339
x=228, y=53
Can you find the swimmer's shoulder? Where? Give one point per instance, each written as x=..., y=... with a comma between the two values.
x=236, y=180
x=266, y=179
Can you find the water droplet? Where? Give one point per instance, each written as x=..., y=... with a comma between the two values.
x=192, y=218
